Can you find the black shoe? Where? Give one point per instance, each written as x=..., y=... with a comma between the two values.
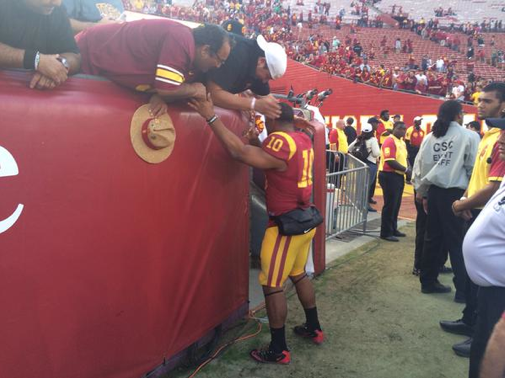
x=399, y=234
x=416, y=272
x=457, y=327
x=389, y=238
x=435, y=288
x=370, y=209
x=317, y=336
x=445, y=269
x=372, y=201
x=268, y=356
x=459, y=298
x=463, y=349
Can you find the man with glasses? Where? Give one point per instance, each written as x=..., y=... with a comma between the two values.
x=159, y=56
x=251, y=65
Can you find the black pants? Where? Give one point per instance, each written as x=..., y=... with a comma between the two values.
x=491, y=304
x=392, y=186
x=371, y=191
x=443, y=230
x=421, y=218
x=412, y=153
x=471, y=289
x=373, y=179
x=420, y=233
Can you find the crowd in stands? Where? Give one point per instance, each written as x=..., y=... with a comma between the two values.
x=350, y=58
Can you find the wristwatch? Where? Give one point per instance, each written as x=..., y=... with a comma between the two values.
x=64, y=61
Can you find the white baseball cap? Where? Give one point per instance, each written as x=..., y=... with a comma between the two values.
x=418, y=118
x=276, y=57
x=366, y=128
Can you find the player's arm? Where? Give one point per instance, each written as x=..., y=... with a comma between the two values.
x=267, y=105
x=250, y=155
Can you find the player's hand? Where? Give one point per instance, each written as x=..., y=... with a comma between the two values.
x=303, y=124
x=408, y=171
x=425, y=205
x=42, y=82
x=157, y=107
x=252, y=134
x=199, y=91
x=50, y=66
x=203, y=107
x=268, y=106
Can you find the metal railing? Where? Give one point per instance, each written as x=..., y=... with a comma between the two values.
x=347, y=182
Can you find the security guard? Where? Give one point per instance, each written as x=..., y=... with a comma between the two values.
x=393, y=166
x=487, y=175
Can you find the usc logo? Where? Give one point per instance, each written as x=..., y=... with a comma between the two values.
x=9, y=167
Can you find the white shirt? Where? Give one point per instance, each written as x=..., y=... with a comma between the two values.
x=484, y=244
x=440, y=63
x=372, y=146
x=458, y=91
x=422, y=79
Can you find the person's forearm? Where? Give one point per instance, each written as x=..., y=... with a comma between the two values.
x=79, y=26
x=11, y=57
x=182, y=92
x=479, y=199
x=396, y=166
x=493, y=364
x=74, y=62
x=229, y=140
x=227, y=100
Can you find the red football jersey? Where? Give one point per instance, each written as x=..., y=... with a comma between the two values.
x=285, y=191
x=142, y=54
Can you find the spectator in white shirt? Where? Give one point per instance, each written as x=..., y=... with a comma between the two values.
x=484, y=252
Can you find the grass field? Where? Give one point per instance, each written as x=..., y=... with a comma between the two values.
x=377, y=324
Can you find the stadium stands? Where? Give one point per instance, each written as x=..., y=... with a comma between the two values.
x=370, y=37
x=465, y=10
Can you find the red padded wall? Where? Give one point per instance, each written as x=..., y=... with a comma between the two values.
x=353, y=99
x=114, y=264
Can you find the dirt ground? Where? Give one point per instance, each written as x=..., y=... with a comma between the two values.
x=377, y=324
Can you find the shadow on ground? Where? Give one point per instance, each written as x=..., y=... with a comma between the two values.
x=377, y=323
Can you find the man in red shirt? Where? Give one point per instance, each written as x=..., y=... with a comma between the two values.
x=287, y=157
x=155, y=56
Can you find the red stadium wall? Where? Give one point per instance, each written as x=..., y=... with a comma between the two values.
x=114, y=264
x=359, y=100
x=110, y=265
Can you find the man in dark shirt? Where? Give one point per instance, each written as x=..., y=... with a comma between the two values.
x=350, y=131
x=36, y=35
x=251, y=64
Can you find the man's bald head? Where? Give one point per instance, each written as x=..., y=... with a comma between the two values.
x=340, y=124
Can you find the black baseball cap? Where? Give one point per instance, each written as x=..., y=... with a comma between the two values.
x=233, y=26
x=496, y=122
